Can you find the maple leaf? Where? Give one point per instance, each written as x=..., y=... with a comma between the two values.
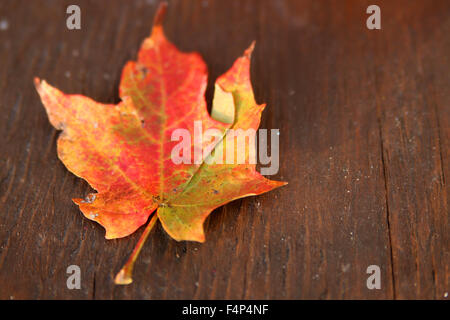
x=124, y=151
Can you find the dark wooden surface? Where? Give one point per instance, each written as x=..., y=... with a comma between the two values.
x=365, y=125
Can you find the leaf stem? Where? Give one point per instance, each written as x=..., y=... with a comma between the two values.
x=124, y=276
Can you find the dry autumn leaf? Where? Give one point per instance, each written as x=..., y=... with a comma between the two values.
x=124, y=151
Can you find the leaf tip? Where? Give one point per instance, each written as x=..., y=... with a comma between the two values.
x=280, y=183
x=38, y=83
x=41, y=86
x=198, y=236
x=159, y=17
x=249, y=51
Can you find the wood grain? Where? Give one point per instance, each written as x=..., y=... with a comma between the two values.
x=364, y=117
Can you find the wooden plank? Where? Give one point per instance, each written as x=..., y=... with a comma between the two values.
x=411, y=58
x=336, y=91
